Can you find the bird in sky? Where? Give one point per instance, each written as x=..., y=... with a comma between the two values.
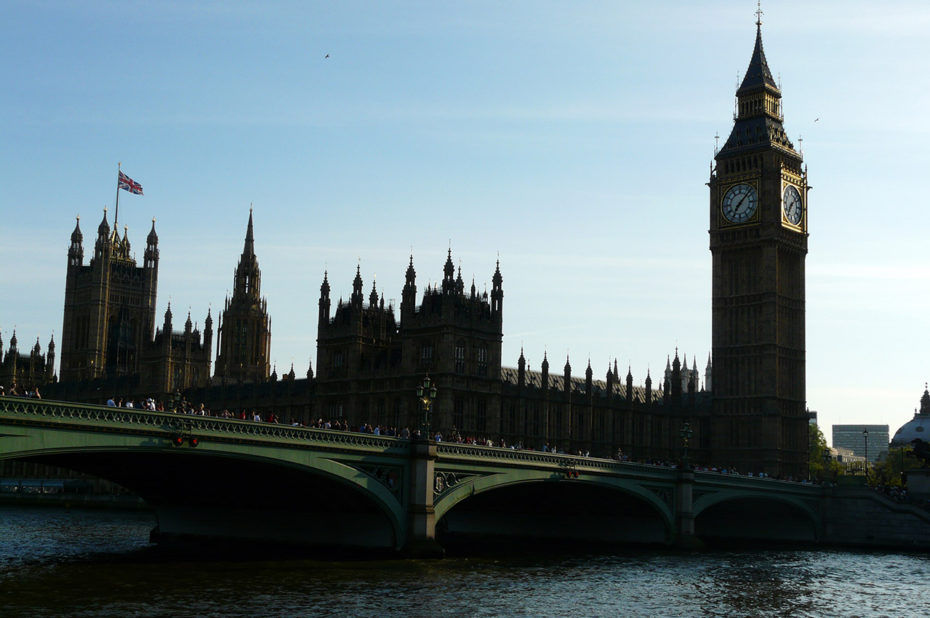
x=326, y=56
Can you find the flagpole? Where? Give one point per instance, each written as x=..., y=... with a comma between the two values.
x=116, y=216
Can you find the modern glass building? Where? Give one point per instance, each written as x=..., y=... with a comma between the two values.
x=870, y=441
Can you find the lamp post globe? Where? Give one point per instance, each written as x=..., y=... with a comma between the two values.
x=426, y=393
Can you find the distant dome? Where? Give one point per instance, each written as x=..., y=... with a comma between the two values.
x=918, y=428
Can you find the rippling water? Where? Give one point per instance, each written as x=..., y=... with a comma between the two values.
x=84, y=563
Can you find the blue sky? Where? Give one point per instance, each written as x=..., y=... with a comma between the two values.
x=572, y=140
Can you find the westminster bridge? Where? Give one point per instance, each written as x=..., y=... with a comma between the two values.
x=217, y=478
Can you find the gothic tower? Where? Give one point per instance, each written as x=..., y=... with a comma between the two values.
x=758, y=240
x=109, y=313
x=244, y=334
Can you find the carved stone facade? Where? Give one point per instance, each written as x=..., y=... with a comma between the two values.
x=244, y=341
x=109, y=342
x=19, y=371
x=758, y=239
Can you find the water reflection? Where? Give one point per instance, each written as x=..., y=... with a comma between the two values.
x=99, y=564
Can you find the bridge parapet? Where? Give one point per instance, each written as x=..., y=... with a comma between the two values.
x=19, y=411
x=452, y=452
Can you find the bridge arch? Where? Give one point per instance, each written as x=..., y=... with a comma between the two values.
x=590, y=507
x=756, y=515
x=225, y=491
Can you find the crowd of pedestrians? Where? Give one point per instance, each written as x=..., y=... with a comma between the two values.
x=182, y=406
x=17, y=390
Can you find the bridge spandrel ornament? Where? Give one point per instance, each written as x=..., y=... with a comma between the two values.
x=664, y=494
x=389, y=476
x=444, y=482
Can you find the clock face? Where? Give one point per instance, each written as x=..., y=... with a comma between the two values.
x=791, y=202
x=739, y=203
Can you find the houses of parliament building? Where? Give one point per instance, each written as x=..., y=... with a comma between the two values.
x=750, y=412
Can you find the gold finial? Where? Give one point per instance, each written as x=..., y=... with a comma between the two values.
x=759, y=13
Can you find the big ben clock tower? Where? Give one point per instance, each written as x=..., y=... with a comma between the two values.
x=758, y=240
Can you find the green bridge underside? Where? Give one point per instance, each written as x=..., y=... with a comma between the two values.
x=318, y=487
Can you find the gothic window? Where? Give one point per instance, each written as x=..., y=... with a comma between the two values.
x=481, y=415
x=460, y=356
x=483, y=360
x=426, y=355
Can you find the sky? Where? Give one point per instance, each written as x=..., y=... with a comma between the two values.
x=570, y=140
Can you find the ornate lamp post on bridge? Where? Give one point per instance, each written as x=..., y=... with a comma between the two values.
x=426, y=393
x=685, y=434
x=865, y=438
x=827, y=461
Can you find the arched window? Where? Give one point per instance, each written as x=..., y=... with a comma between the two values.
x=482, y=360
x=460, y=356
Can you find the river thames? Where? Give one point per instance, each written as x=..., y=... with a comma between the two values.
x=56, y=562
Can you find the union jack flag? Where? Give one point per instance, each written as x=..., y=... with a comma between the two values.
x=127, y=183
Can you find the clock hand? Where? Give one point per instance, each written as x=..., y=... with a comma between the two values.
x=740, y=203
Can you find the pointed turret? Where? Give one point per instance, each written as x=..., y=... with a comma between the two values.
x=648, y=388
x=103, y=237
x=356, y=299
x=759, y=114
x=567, y=376
x=373, y=297
x=408, y=299
x=248, y=275
x=545, y=372
x=707, y=374
x=497, y=293
x=589, y=380
x=629, y=384
x=448, y=271
x=521, y=369
x=325, y=303
x=76, y=250
x=50, y=360
x=248, y=248
x=103, y=230
x=188, y=325
x=310, y=369
x=758, y=76
x=151, y=247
